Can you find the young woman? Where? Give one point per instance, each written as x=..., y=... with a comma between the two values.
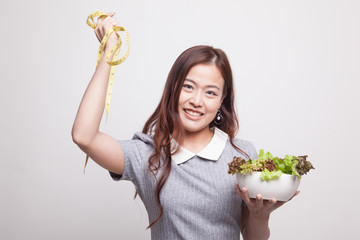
x=178, y=163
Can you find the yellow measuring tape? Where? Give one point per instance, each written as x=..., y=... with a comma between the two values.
x=114, y=50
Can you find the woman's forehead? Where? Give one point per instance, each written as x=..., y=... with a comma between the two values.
x=205, y=74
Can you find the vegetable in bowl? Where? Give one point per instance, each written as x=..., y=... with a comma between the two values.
x=271, y=167
x=272, y=177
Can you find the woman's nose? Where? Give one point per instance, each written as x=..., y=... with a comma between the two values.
x=196, y=99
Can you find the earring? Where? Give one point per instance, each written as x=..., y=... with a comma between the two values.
x=219, y=118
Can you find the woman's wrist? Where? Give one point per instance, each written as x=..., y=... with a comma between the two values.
x=259, y=220
x=257, y=228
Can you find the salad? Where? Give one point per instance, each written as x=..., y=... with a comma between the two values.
x=271, y=167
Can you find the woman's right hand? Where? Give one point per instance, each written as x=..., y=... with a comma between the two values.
x=103, y=25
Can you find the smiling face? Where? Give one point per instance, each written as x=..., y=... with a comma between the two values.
x=200, y=97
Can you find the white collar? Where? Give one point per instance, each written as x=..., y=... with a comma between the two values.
x=212, y=151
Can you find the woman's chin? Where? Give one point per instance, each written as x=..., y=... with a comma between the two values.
x=196, y=129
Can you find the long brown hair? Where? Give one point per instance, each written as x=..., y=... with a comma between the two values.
x=164, y=124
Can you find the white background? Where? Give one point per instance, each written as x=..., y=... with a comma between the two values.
x=296, y=67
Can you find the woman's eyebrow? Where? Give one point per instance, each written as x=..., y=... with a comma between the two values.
x=208, y=86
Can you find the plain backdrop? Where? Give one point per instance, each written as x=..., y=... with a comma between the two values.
x=296, y=68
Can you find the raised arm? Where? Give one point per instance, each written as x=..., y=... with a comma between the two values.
x=100, y=147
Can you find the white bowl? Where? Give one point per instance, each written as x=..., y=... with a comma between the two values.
x=282, y=189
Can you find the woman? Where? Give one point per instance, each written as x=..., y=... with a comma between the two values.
x=178, y=164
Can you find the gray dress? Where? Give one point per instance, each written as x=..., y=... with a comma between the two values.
x=199, y=198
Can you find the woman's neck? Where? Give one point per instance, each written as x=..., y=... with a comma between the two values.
x=196, y=141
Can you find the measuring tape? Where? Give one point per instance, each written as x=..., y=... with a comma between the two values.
x=113, y=62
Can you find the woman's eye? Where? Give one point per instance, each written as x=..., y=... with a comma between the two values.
x=211, y=93
x=187, y=86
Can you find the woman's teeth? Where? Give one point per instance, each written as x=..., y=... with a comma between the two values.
x=195, y=114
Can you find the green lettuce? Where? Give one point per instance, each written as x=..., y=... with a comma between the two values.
x=271, y=167
x=266, y=175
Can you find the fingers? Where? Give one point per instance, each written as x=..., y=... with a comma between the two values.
x=243, y=193
x=108, y=18
x=267, y=206
x=272, y=200
x=259, y=201
x=275, y=203
x=258, y=205
x=295, y=194
x=103, y=25
x=237, y=189
x=102, y=18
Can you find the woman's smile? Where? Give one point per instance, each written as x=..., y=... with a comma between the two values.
x=193, y=114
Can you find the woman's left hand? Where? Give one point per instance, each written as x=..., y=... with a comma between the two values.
x=255, y=217
x=260, y=209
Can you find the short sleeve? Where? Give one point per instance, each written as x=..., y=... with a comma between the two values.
x=136, y=154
